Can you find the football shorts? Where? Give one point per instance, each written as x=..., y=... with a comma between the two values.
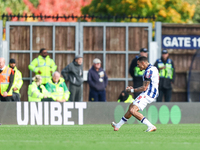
x=142, y=100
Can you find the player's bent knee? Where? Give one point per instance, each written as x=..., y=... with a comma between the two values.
x=133, y=110
x=136, y=108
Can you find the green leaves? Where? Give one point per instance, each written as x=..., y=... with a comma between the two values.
x=170, y=11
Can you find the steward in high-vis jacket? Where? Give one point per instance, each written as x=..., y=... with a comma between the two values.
x=58, y=89
x=135, y=71
x=43, y=65
x=36, y=91
x=125, y=97
x=6, y=81
x=167, y=76
x=17, y=83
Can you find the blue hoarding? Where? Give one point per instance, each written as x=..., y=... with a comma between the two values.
x=180, y=42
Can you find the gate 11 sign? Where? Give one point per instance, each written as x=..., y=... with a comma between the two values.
x=180, y=41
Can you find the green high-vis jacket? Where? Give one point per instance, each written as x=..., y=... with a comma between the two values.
x=58, y=91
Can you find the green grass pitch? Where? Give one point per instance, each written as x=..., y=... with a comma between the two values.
x=99, y=137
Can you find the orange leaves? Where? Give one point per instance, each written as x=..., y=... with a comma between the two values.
x=58, y=7
x=9, y=10
x=30, y=5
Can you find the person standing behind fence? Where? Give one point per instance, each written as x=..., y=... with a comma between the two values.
x=6, y=81
x=18, y=82
x=97, y=80
x=135, y=71
x=57, y=87
x=167, y=76
x=74, y=74
x=43, y=65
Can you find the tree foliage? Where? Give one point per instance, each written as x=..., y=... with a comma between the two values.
x=196, y=18
x=12, y=6
x=55, y=7
x=170, y=11
x=44, y=7
x=35, y=2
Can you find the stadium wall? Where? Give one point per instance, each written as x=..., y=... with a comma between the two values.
x=181, y=56
x=70, y=113
x=115, y=44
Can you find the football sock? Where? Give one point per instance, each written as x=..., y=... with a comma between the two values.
x=146, y=122
x=122, y=121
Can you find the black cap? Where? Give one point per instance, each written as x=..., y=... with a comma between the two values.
x=12, y=60
x=164, y=51
x=143, y=50
x=78, y=56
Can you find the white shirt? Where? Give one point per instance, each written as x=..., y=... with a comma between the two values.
x=151, y=73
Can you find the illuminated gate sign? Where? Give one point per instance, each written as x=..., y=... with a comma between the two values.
x=180, y=42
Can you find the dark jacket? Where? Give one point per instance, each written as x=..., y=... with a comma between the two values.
x=97, y=80
x=165, y=82
x=73, y=73
x=137, y=80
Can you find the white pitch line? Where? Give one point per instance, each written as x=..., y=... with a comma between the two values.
x=133, y=142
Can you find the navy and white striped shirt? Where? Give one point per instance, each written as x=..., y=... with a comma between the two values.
x=151, y=74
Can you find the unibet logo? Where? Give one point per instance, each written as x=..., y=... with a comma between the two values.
x=49, y=113
x=163, y=115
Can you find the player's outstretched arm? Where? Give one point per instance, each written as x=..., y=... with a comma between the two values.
x=142, y=88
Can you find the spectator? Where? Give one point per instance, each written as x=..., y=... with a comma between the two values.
x=74, y=74
x=43, y=65
x=167, y=76
x=6, y=81
x=97, y=80
x=125, y=97
x=37, y=92
x=57, y=87
x=17, y=83
x=135, y=71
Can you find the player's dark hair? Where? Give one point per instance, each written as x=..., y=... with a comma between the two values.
x=142, y=58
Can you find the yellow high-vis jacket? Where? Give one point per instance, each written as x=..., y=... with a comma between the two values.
x=34, y=93
x=45, y=66
x=17, y=82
